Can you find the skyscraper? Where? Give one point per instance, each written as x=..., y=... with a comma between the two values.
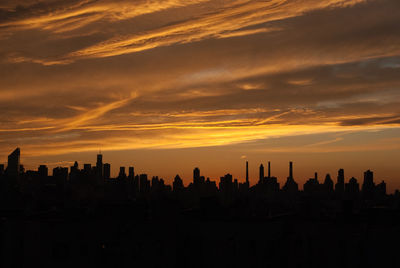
x=107, y=170
x=99, y=166
x=339, y=186
x=43, y=171
x=13, y=166
x=368, y=185
x=122, y=173
x=196, y=175
x=131, y=172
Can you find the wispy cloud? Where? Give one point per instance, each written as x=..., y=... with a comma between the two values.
x=230, y=20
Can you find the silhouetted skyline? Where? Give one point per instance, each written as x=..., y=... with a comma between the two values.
x=79, y=214
x=101, y=172
x=202, y=133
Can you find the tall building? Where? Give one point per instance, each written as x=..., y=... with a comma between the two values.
x=339, y=186
x=122, y=173
x=60, y=175
x=381, y=189
x=352, y=188
x=144, y=183
x=328, y=183
x=43, y=171
x=87, y=168
x=269, y=169
x=131, y=172
x=196, y=175
x=1, y=169
x=368, y=186
x=99, y=166
x=177, y=184
x=13, y=166
x=107, y=170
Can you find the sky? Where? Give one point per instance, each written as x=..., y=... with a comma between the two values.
x=168, y=85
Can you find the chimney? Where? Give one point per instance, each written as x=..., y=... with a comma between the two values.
x=247, y=172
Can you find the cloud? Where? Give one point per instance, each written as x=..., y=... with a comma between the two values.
x=189, y=74
x=230, y=19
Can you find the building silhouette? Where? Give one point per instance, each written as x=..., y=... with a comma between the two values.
x=261, y=173
x=13, y=166
x=290, y=186
x=99, y=167
x=368, y=186
x=107, y=170
x=339, y=186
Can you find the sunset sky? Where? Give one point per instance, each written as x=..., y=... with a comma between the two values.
x=167, y=85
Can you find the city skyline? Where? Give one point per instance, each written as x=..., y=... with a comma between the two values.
x=199, y=133
x=103, y=170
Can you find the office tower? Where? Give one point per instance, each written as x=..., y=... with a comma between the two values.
x=74, y=172
x=13, y=165
x=261, y=177
x=339, y=186
x=87, y=168
x=381, y=189
x=122, y=173
x=144, y=183
x=43, y=171
x=368, y=179
x=247, y=172
x=177, y=184
x=155, y=183
x=75, y=168
x=99, y=166
x=269, y=169
x=328, y=183
x=352, y=188
x=60, y=175
x=196, y=175
x=131, y=173
x=312, y=185
x=368, y=186
x=107, y=170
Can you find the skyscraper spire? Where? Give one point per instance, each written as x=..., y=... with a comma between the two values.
x=269, y=169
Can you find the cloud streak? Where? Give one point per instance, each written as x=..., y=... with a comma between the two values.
x=230, y=19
